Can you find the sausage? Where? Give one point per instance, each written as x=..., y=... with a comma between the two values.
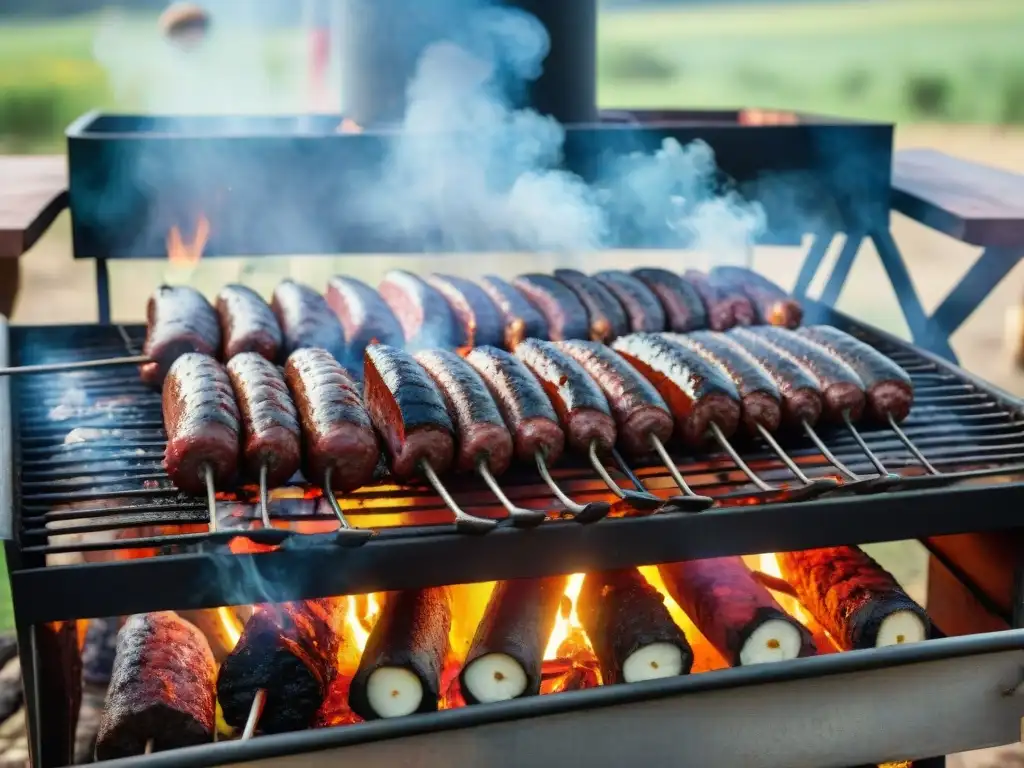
x=476, y=317
x=202, y=423
x=179, y=320
x=519, y=317
x=889, y=389
x=524, y=406
x=307, y=321
x=759, y=396
x=853, y=598
x=247, y=324
x=631, y=630
x=638, y=409
x=801, y=397
x=684, y=310
x=478, y=424
x=841, y=388
x=407, y=411
x=270, y=424
x=719, y=308
x=772, y=305
x=697, y=393
x=161, y=688
x=578, y=401
x=564, y=314
x=605, y=315
x=364, y=315
x=336, y=430
x=642, y=306
x=735, y=612
x=742, y=307
x=422, y=312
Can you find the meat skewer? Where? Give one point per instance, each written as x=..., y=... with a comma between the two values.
x=772, y=304
x=631, y=630
x=484, y=442
x=476, y=317
x=271, y=448
x=563, y=312
x=247, y=324
x=422, y=312
x=364, y=315
x=735, y=612
x=179, y=320
x=307, y=321
x=684, y=310
x=743, y=311
x=520, y=318
x=581, y=407
x=161, y=692
x=400, y=669
x=853, y=598
x=642, y=418
x=530, y=417
x=339, y=442
x=719, y=308
x=410, y=414
x=605, y=315
x=641, y=304
x=505, y=657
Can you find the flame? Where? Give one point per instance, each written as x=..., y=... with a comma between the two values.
x=363, y=611
x=348, y=125
x=182, y=254
x=232, y=626
x=768, y=564
x=568, y=631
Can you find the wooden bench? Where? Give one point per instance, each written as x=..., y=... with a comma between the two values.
x=972, y=203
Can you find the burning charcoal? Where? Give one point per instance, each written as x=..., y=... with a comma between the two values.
x=737, y=614
x=857, y=602
x=504, y=661
x=100, y=650
x=400, y=671
x=290, y=651
x=630, y=628
x=161, y=689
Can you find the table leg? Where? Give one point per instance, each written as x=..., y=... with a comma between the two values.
x=812, y=262
x=983, y=276
x=10, y=283
x=841, y=270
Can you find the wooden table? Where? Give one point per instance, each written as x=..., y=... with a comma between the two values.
x=33, y=191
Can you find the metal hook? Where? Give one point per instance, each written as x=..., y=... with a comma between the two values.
x=211, y=496
x=345, y=533
x=911, y=447
x=641, y=499
x=463, y=521
x=520, y=516
x=825, y=483
x=581, y=513
x=264, y=497
x=857, y=483
x=690, y=501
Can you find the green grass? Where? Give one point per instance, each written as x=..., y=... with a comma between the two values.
x=6, y=605
x=899, y=60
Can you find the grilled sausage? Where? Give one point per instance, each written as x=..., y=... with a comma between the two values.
x=480, y=429
x=772, y=304
x=638, y=409
x=422, y=312
x=519, y=317
x=161, y=689
x=759, y=396
x=524, y=406
x=642, y=307
x=477, y=319
x=742, y=307
x=633, y=634
x=578, y=401
x=364, y=315
x=179, y=320
x=841, y=388
x=336, y=430
x=718, y=307
x=247, y=324
x=307, y=321
x=270, y=425
x=889, y=389
x=202, y=423
x=853, y=598
x=684, y=310
x=408, y=412
x=801, y=397
x=605, y=315
x=697, y=393
x=563, y=312
x=737, y=615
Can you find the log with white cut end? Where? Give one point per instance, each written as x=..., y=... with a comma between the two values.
x=505, y=658
x=857, y=601
x=630, y=629
x=400, y=670
x=737, y=615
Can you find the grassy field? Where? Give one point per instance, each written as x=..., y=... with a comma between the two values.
x=901, y=60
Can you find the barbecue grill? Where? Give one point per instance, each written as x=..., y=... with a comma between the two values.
x=81, y=455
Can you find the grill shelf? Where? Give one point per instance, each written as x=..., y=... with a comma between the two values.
x=111, y=486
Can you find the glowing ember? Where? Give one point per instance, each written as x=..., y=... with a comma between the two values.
x=182, y=254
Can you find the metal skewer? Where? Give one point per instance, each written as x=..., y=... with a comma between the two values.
x=254, y=714
x=211, y=496
x=345, y=532
x=823, y=482
x=77, y=365
x=581, y=513
x=463, y=520
x=911, y=447
x=693, y=500
x=264, y=497
x=520, y=516
x=640, y=498
x=148, y=749
x=857, y=483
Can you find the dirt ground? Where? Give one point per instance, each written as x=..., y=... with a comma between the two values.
x=57, y=289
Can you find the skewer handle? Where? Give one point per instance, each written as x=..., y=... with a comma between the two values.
x=77, y=365
x=463, y=520
x=254, y=714
x=520, y=516
x=581, y=513
x=211, y=496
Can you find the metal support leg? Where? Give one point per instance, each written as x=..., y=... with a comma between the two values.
x=103, y=291
x=841, y=270
x=983, y=276
x=812, y=263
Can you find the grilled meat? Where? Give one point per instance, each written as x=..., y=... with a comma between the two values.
x=772, y=305
x=421, y=310
x=563, y=312
x=247, y=324
x=477, y=319
x=307, y=321
x=364, y=315
x=520, y=318
x=605, y=315
x=178, y=320
x=719, y=306
x=684, y=310
x=642, y=307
